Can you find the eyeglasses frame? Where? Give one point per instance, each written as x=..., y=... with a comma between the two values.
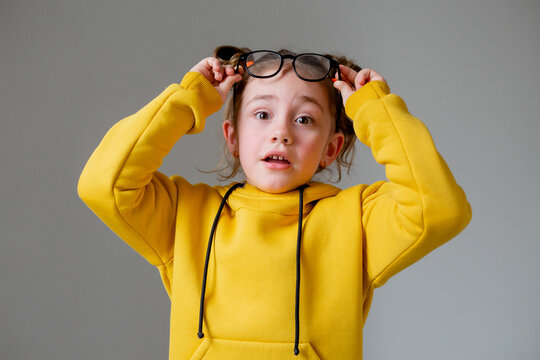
x=242, y=61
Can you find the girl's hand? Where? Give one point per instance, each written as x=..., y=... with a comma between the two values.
x=352, y=80
x=222, y=77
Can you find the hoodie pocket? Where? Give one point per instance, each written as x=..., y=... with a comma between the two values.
x=221, y=349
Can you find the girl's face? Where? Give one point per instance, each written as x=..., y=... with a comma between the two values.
x=284, y=132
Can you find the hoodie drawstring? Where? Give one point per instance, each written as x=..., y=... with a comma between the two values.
x=298, y=241
x=200, y=334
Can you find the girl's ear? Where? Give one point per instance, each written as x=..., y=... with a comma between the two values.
x=333, y=148
x=229, y=134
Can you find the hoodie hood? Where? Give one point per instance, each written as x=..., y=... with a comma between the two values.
x=250, y=197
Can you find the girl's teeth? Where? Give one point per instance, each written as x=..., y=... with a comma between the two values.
x=278, y=157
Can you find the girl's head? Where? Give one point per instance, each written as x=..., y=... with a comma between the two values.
x=282, y=129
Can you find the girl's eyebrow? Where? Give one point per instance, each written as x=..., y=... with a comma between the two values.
x=261, y=97
x=312, y=100
x=302, y=98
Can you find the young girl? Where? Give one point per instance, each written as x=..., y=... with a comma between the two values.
x=278, y=265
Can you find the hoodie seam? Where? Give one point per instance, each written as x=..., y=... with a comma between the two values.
x=322, y=196
x=259, y=341
x=238, y=208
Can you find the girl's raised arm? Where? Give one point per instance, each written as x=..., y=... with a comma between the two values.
x=421, y=206
x=120, y=182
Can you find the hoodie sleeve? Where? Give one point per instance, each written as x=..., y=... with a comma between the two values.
x=421, y=206
x=120, y=182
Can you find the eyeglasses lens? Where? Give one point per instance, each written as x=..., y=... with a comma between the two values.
x=263, y=63
x=312, y=66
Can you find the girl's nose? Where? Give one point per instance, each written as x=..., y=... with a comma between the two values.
x=281, y=134
x=283, y=139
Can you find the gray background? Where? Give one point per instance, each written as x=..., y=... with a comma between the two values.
x=70, y=289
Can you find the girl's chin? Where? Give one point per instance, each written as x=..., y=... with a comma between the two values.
x=277, y=181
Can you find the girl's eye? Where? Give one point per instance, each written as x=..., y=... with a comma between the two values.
x=304, y=120
x=262, y=115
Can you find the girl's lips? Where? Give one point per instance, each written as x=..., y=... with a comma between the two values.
x=276, y=155
x=277, y=161
x=277, y=164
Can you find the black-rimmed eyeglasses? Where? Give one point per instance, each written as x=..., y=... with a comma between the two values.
x=309, y=67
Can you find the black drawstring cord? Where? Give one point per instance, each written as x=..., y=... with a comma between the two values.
x=298, y=241
x=200, y=334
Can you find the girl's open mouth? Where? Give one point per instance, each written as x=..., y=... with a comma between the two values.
x=274, y=159
x=277, y=162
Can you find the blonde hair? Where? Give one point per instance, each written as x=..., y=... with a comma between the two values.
x=229, y=165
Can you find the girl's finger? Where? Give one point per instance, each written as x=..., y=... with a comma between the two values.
x=347, y=74
x=226, y=85
x=345, y=88
x=376, y=76
x=213, y=63
x=216, y=68
x=229, y=81
x=229, y=70
x=361, y=78
x=218, y=74
x=367, y=75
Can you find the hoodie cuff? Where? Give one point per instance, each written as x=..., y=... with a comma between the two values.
x=209, y=99
x=373, y=90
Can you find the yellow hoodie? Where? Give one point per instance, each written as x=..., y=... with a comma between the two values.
x=353, y=240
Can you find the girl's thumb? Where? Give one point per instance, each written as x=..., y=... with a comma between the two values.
x=344, y=88
x=226, y=85
x=230, y=80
